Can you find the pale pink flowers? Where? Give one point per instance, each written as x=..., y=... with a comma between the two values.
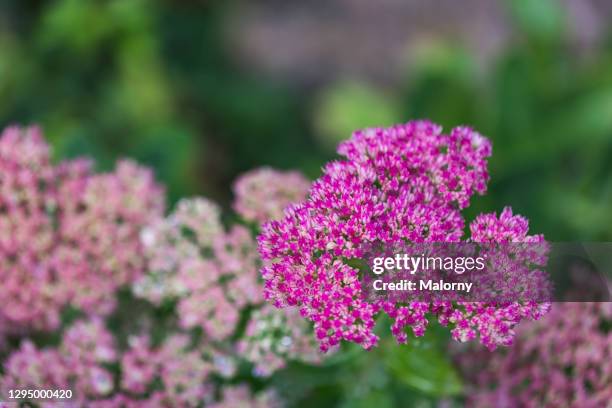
x=212, y=273
x=68, y=236
x=561, y=361
x=263, y=194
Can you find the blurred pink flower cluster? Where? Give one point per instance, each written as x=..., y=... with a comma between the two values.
x=213, y=275
x=77, y=364
x=68, y=236
x=71, y=237
x=173, y=374
x=240, y=397
x=273, y=337
x=559, y=361
x=406, y=183
x=264, y=193
x=210, y=271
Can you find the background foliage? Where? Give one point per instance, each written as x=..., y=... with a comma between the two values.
x=160, y=82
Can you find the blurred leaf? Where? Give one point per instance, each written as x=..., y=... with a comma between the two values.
x=585, y=121
x=421, y=365
x=443, y=85
x=588, y=117
x=435, y=57
x=582, y=212
x=133, y=16
x=544, y=19
x=346, y=107
x=378, y=399
x=142, y=90
x=305, y=385
x=77, y=24
x=8, y=62
x=171, y=169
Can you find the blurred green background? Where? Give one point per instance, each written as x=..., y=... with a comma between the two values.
x=204, y=90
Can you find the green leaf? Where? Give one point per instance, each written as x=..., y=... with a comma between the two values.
x=543, y=19
x=77, y=25
x=347, y=107
x=585, y=121
x=378, y=399
x=423, y=366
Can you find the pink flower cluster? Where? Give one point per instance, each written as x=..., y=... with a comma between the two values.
x=493, y=323
x=68, y=236
x=212, y=274
x=241, y=397
x=263, y=194
x=273, y=337
x=407, y=183
x=559, y=361
x=210, y=271
x=176, y=364
x=175, y=373
x=77, y=364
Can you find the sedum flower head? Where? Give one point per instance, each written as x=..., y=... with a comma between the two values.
x=406, y=183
